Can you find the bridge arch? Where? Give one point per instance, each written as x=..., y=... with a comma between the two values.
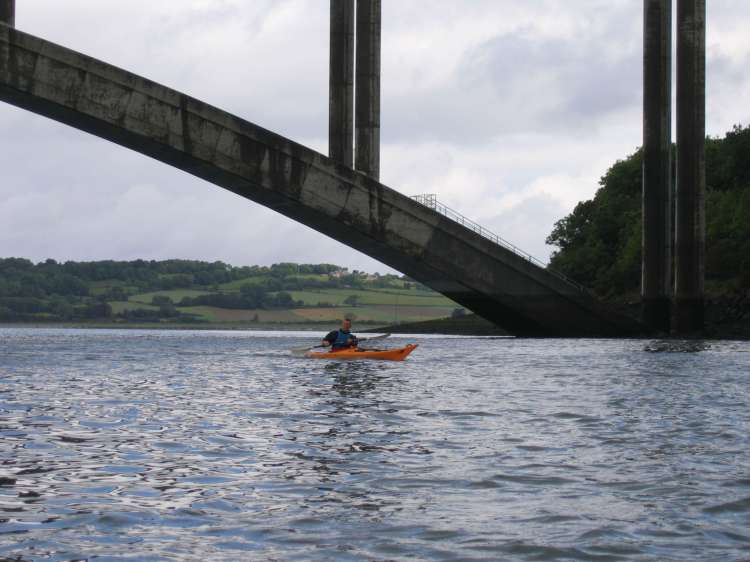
x=297, y=182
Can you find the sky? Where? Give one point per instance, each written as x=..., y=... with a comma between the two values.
x=508, y=110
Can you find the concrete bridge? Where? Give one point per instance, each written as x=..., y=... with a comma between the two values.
x=301, y=184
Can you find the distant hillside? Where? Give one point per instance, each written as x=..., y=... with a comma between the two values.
x=195, y=292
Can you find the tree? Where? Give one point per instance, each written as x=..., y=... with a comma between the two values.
x=352, y=300
x=284, y=300
x=168, y=310
x=253, y=295
x=61, y=308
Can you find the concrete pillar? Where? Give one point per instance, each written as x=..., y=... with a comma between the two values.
x=367, y=88
x=690, y=219
x=341, y=83
x=656, y=270
x=8, y=12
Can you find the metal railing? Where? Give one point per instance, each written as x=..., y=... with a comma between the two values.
x=430, y=200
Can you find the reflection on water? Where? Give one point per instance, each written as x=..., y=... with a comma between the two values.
x=677, y=346
x=221, y=445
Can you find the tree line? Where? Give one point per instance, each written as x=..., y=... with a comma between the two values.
x=22, y=277
x=599, y=243
x=83, y=290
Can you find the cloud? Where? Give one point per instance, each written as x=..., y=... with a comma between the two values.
x=515, y=83
x=509, y=111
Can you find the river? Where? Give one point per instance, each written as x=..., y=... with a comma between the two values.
x=199, y=445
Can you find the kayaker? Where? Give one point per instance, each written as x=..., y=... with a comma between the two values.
x=341, y=338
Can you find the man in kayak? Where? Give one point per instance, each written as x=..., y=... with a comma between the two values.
x=341, y=338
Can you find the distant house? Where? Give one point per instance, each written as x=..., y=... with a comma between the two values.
x=338, y=273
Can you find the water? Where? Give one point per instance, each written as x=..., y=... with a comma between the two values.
x=146, y=445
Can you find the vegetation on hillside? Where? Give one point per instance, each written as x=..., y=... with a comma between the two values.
x=599, y=243
x=184, y=291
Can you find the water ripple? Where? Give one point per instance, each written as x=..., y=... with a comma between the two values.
x=220, y=445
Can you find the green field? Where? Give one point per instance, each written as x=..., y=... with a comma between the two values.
x=381, y=306
x=391, y=297
x=235, y=285
x=259, y=279
x=215, y=314
x=382, y=314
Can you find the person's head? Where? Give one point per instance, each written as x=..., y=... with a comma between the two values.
x=346, y=324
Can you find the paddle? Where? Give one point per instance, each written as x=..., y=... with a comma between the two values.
x=303, y=350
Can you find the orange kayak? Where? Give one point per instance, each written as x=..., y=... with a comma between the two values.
x=398, y=354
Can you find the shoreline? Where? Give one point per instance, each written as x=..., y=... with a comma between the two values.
x=468, y=325
x=260, y=327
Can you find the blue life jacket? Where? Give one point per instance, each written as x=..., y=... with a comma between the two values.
x=342, y=339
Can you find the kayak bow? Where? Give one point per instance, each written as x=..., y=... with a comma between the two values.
x=396, y=354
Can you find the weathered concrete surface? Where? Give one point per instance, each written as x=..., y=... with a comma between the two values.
x=656, y=278
x=341, y=83
x=690, y=216
x=298, y=183
x=367, y=89
x=8, y=12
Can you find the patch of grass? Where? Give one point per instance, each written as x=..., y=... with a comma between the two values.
x=214, y=314
x=237, y=283
x=383, y=314
x=202, y=312
x=372, y=296
x=375, y=313
x=332, y=315
x=310, y=276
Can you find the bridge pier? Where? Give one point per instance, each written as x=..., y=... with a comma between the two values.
x=367, y=88
x=8, y=12
x=341, y=83
x=690, y=220
x=656, y=270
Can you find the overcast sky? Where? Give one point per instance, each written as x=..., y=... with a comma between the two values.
x=509, y=110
